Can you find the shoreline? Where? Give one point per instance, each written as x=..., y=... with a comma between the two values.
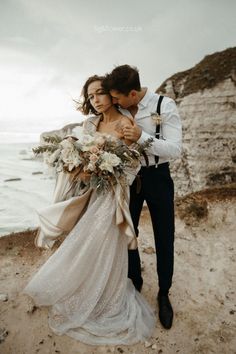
x=191, y=207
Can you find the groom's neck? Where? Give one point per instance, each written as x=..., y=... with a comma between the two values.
x=139, y=96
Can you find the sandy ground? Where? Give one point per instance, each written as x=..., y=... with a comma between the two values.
x=203, y=291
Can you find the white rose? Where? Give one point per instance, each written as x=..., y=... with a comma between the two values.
x=87, y=139
x=75, y=158
x=113, y=159
x=86, y=142
x=71, y=158
x=100, y=140
x=109, y=161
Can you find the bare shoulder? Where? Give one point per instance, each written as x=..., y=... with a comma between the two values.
x=126, y=120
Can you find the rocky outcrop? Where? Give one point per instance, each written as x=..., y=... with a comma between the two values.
x=206, y=99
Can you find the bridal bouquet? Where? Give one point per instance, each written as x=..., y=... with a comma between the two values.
x=103, y=158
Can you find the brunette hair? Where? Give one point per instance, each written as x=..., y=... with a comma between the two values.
x=83, y=104
x=123, y=79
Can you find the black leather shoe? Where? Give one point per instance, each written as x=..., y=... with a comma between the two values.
x=165, y=311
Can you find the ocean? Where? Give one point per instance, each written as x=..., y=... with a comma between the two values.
x=26, y=185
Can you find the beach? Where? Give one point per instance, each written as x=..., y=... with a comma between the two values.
x=202, y=294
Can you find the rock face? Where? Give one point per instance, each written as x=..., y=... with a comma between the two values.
x=206, y=99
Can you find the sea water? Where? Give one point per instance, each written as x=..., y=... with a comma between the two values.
x=20, y=199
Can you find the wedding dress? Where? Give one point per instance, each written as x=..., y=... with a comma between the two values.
x=84, y=283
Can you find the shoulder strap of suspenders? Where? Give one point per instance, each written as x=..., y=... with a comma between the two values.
x=157, y=134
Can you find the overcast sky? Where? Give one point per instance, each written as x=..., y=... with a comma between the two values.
x=49, y=47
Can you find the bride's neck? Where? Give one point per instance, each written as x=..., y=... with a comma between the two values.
x=110, y=115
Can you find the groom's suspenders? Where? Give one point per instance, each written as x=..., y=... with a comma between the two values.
x=157, y=135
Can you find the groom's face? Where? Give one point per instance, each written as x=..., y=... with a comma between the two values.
x=121, y=99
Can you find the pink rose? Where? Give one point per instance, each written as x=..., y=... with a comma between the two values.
x=93, y=149
x=93, y=158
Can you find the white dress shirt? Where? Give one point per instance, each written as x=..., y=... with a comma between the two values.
x=170, y=142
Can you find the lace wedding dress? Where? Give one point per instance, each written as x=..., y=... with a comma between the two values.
x=85, y=282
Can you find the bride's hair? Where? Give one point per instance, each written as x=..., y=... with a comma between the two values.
x=83, y=104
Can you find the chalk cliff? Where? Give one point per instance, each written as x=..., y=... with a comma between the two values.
x=206, y=99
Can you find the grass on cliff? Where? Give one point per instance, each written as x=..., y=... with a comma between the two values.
x=193, y=207
x=210, y=71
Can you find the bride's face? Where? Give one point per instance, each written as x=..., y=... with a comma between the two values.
x=100, y=101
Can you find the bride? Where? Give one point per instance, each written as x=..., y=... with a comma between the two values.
x=84, y=283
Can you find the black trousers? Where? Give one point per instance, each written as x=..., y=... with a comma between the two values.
x=157, y=189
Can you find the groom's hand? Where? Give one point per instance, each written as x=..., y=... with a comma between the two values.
x=132, y=132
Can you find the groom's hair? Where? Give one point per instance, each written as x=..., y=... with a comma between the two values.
x=123, y=79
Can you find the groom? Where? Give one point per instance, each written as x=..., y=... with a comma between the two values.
x=157, y=187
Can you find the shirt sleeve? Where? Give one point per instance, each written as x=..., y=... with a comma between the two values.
x=170, y=143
